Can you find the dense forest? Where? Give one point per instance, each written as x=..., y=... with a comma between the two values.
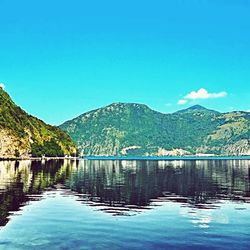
x=135, y=129
x=22, y=134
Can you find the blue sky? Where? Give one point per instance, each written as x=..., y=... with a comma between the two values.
x=59, y=59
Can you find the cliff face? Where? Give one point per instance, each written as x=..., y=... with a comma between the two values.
x=22, y=134
x=9, y=145
x=135, y=129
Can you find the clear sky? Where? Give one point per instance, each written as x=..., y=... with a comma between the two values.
x=61, y=58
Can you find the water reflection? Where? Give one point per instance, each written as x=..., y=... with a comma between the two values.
x=23, y=181
x=125, y=187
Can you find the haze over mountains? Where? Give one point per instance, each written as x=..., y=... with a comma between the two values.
x=135, y=129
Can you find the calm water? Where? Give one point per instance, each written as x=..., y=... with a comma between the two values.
x=125, y=204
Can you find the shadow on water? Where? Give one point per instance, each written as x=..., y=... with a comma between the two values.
x=125, y=187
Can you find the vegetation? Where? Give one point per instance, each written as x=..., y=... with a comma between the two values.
x=17, y=153
x=48, y=148
x=129, y=128
x=124, y=129
x=29, y=133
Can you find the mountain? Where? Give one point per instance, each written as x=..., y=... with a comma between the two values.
x=197, y=108
x=135, y=129
x=22, y=134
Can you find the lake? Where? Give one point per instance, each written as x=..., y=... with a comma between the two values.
x=125, y=204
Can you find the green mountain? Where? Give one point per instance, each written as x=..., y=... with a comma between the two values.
x=135, y=129
x=22, y=134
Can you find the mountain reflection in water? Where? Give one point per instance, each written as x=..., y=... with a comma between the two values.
x=125, y=187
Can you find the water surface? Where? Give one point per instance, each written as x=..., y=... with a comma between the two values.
x=62, y=204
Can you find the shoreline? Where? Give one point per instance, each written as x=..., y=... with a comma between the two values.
x=133, y=158
x=39, y=158
x=167, y=158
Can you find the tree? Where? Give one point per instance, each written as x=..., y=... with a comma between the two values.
x=17, y=153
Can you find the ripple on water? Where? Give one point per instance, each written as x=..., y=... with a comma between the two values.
x=119, y=205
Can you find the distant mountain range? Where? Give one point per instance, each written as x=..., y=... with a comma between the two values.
x=125, y=129
x=135, y=129
x=22, y=135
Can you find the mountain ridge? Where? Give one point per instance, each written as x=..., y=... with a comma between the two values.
x=133, y=128
x=22, y=135
x=197, y=108
x=194, y=107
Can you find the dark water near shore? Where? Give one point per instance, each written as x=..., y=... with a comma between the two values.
x=63, y=204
